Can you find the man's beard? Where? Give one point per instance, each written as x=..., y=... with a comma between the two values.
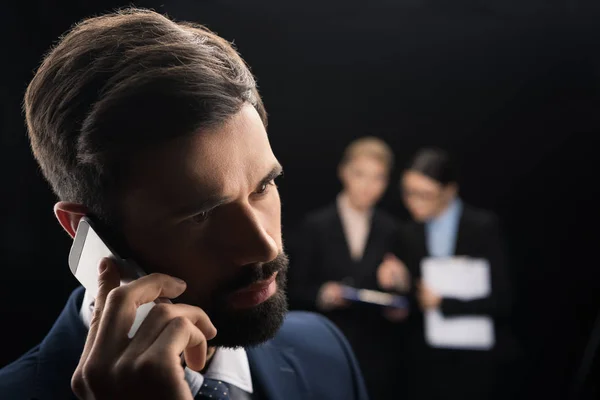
x=254, y=325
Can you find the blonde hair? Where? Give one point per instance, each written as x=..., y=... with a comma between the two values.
x=369, y=146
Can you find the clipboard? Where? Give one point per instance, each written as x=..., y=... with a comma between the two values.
x=374, y=297
x=462, y=278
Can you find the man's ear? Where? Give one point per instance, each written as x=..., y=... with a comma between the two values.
x=68, y=215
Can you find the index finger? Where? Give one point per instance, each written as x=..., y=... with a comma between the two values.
x=123, y=302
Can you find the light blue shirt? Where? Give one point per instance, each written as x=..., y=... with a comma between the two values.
x=441, y=231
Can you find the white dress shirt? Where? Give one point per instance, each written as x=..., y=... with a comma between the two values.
x=356, y=225
x=227, y=365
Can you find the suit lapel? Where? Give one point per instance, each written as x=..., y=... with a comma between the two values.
x=373, y=236
x=421, y=240
x=278, y=372
x=345, y=267
x=372, y=254
x=338, y=234
x=462, y=234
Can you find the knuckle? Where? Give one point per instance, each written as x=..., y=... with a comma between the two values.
x=93, y=375
x=117, y=295
x=181, y=323
x=201, y=314
x=78, y=383
x=158, y=276
x=148, y=367
x=163, y=310
x=125, y=370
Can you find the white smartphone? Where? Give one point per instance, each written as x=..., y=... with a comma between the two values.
x=90, y=245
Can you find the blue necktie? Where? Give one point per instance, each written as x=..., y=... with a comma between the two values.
x=213, y=390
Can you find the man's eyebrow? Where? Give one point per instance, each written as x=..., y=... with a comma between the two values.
x=206, y=204
x=210, y=202
x=275, y=172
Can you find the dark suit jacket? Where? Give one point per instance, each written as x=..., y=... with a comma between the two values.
x=446, y=372
x=320, y=254
x=308, y=359
x=478, y=236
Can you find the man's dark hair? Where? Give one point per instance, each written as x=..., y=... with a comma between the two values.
x=435, y=164
x=123, y=82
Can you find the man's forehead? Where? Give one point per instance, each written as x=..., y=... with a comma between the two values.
x=219, y=161
x=239, y=149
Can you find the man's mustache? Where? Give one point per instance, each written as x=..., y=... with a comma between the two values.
x=250, y=274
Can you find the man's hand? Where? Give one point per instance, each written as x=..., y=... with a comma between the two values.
x=428, y=299
x=148, y=366
x=392, y=274
x=330, y=296
x=395, y=314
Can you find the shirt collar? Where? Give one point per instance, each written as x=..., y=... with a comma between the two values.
x=450, y=214
x=228, y=365
x=344, y=207
x=231, y=366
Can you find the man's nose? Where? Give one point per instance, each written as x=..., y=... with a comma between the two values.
x=247, y=239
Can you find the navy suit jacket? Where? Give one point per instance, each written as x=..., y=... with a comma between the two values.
x=308, y=359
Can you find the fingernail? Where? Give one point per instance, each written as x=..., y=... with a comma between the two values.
x=180, y=281
x=102, y=266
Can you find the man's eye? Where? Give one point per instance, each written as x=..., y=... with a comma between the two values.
x=265, y=187
x=201, y=217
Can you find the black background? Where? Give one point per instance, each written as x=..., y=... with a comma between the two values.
x=509, y=86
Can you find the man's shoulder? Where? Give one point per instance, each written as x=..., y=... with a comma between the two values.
x=321, y=355
x=313, y=337
x=480, y=218
x=45, y=371
x=301, y=323
x=17, y=379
